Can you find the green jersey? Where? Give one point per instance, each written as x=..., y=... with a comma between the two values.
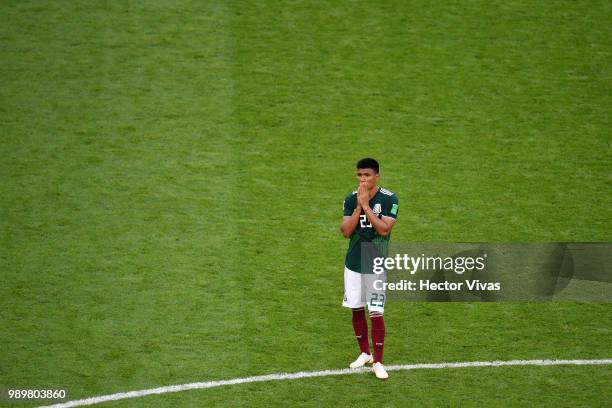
x=384, y=203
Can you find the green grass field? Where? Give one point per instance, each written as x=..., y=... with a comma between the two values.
x=173, y=175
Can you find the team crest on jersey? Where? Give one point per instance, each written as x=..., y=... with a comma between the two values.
x=376, y=210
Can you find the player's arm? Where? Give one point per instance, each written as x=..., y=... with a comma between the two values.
x=382, y=225
x=350, y=220
x=349, y=223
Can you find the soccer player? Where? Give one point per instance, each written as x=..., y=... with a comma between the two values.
x=369, y=215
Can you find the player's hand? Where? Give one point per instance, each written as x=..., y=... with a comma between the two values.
x=363, y=196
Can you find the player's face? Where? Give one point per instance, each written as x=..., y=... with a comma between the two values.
x=368, y=177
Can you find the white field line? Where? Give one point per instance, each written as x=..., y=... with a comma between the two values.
x=310, y=374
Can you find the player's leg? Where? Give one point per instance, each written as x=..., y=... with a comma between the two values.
x=376, y=305
x=360, y=326
x=378, y=342
x=354, y=299
x=378, y=335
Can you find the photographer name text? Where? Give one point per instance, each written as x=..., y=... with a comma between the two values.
x=427, y=285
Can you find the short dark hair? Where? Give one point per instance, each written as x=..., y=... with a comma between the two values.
x=368, y=163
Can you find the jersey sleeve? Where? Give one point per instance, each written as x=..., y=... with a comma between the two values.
x=350, y=203
x=391, y=208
